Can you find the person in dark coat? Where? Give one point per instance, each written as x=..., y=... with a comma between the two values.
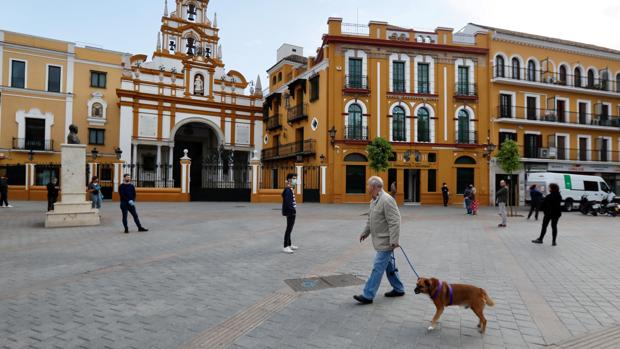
x=552, y=208
x=445, y=194
x=127, y=192
x=4, y=192
x=535, y=199
x=289, y=210
x=52, y=193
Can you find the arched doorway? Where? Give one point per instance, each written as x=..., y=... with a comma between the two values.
x=217, y=173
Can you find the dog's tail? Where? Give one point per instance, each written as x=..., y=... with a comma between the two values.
x=487, y=299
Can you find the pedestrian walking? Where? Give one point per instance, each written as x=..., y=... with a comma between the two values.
x=474, y=201
x=536, y=198
x=445, y=194
x=384, y=226
x=127, y=192
x=289, y=210
x=4, y=192
x=501, y=199
x=467, y=199
x=393, y=190
x=94, y=188
x=52, y=193
x=552, y=209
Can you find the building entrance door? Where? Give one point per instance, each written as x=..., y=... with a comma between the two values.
x=412, y=185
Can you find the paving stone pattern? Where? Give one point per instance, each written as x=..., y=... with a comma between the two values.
x=213, y=274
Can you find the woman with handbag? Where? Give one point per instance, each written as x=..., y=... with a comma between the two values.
x=94, y=188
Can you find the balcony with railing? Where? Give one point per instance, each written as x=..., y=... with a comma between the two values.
x=356, y=133
x=399, y=86
x=470, y=137
x=356, y=83
x=465, y=90
x=298, y=112
x=557, y=116
x=273, y=122
x=555, y=79
x=601, y=154
x=33, y=144
x=283, y=151
x=355, y=29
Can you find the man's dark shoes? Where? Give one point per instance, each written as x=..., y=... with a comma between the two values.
x=554, y=244
x=394, y=293
x=362, y=299
x=142, y=229
x=537, y=241
x=126, y=231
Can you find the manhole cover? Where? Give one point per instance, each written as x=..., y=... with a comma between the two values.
x=323, y=282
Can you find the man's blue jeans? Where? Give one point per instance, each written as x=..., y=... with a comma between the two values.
x=384, y=263
x=468, y=205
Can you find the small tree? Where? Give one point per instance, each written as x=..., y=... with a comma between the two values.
x=379, y=152
x=509, y=161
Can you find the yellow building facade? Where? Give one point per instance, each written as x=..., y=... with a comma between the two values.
x=45, y=86
x=560, y=100
x=425, y=92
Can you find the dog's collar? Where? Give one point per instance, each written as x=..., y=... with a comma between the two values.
x=438, y=291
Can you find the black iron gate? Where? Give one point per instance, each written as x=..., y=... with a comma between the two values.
x=220, y=183
x=312, y=184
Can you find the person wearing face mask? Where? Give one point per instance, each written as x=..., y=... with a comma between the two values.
x=289, y=210
x=127, y=192
x=94, y=188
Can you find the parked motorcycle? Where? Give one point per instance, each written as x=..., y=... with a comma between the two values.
x=588, y=207
x=609, y=208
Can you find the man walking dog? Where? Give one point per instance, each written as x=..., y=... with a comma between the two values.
x=384, y=226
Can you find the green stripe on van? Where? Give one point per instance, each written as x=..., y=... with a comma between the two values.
x=568, y=184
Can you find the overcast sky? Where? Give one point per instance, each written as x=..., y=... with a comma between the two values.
x=252, y=30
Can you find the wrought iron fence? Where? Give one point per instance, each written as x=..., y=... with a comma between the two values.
x=357, y=82
x=33, y=144
x=274, y=176
x=150, y=176
x=357, y=132
x=226, y=177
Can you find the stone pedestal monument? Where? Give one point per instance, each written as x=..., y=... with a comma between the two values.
x=73, y=210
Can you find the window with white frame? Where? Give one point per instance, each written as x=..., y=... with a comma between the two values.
x=53, y=78
x=18, y=74
x=399, y=124
x=423, y=128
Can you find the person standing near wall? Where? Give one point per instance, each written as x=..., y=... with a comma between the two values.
x=4, y=192
x=501, y=199
x=445, y=194
x=94, y=188
x=52, y=193
x=289, y=210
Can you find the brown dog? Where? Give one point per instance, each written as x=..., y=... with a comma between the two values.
x=444, y=295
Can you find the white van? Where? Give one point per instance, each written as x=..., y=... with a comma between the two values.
x=572, y=186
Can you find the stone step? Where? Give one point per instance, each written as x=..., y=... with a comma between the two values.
x=605, y=338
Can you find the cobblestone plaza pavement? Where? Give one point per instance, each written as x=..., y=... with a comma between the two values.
x=212, y=276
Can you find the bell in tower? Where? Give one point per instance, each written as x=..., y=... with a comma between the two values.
x=191, y=12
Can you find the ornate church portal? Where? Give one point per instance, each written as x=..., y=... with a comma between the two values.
x=183, y=98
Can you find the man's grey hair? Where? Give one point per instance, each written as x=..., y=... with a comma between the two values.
x=376, y=181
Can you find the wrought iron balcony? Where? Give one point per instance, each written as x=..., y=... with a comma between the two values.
x=356, y=133
x=356, y=82
x=464, y=89
x=298, y=112
x=273, y=122
x=558, y=116
x=33, y=144
x=303, y=148
x=470, y=137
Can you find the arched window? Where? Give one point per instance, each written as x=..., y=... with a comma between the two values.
x=191, y=12
x=590, y=78
x=280, y=76
x=577, y=74
x=563, y=75
x=500, y=67
x=531, y=70
x=516, y=68
x=355, y=128
x=399, y=127
x=355, y=157
x=464, y=135
x=424, y=132
x=97, y=110
x=465, y=160
x=618, y=82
